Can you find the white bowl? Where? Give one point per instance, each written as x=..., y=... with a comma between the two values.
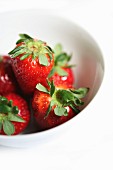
x=53, y=29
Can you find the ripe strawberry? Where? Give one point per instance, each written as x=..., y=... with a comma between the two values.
x=32, y=61
x=55, y=106
x=7, y=79
x=14, y=114
x=62, y=73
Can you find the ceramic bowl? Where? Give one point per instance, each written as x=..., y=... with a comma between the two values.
x=51, y=28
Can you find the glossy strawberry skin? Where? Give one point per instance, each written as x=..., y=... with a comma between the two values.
x=29, y=72
x=8, y=83
x=64, y=81
x=23, y=112
x=40, y=104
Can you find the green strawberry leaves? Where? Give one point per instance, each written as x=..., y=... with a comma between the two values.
x=8, y=127
x=58, y=49
x=0, y=125
x=61, y=58
x=52, y=72
x=21, y=40
x=15, y=118
x=61, y=61
x=60, y=111
x=43, y=60
x=16, y=49
x=52, y=88
x=8, y=113
x=3, y=100
x=40, y=87
x=61, y=98
x=33, y=47
x=80, y=93
x=64, y=96
x=25, y=36
x=74, y=108
x=58, y=70
x=48, y=111
x=24, y=56
x=61, y=71
x=4, y=108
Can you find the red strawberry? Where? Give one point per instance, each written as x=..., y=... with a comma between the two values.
x=56, y=106
x=62, y=73
x=14, y=114
x=32, y=61
x=7, y=79
x=66, y=81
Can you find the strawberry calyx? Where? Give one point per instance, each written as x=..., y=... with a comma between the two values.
x=27, y=46
x=8, y=113
x=61, y=98
x=61, y=61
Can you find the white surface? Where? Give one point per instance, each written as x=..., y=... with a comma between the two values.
x=92, y=147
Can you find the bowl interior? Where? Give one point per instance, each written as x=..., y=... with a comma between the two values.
x=53, y=29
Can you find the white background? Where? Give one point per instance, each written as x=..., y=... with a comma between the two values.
x=90, y=145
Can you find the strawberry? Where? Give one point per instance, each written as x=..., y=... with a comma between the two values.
x=14, y=114
x=32, y=61
x=7, y=79
x=56, y=106
x=61, y=73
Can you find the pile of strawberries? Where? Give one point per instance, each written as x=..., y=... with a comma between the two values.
x=34, y=74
